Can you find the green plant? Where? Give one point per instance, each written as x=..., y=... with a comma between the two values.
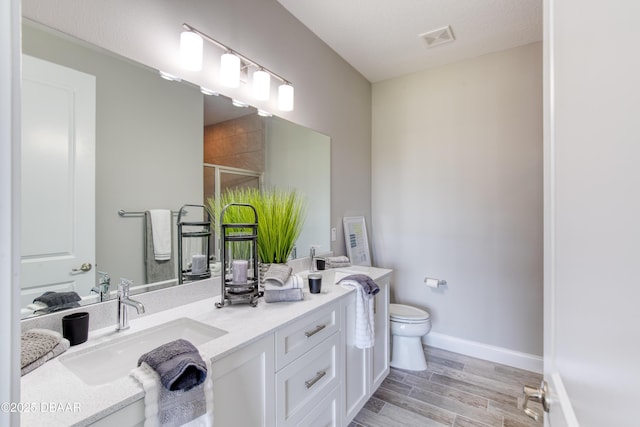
x=281, y=215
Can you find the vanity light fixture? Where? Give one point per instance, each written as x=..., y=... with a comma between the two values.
x=191, y=51
x=285, y=97
x=229, y=70
x=261, y=85
x=231, y=65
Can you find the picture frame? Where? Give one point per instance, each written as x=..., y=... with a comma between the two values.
x=356, y=240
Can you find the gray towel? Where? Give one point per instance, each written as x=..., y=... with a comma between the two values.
x=278, y=274
x=283, y=295
x=39, y=346
x=52, y=299
x=337, y=261
x=176, y=408
x=367, y=283
x=156, y=271
x=178, y=363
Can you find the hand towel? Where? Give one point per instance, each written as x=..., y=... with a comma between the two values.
x=285, y=295
x=293, y=282
x=365, y=330
x=156, y=270
x=161, y=232
x=369, y=285
x=278, y=273
x=178, y=365
x=193, y=408
x=37, y=346
x=337, y=262
x=52, y=299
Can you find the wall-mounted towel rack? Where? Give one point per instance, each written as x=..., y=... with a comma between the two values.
x=122, y=212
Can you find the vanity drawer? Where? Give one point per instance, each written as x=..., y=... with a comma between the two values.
x=295, y=339
x=304, y=383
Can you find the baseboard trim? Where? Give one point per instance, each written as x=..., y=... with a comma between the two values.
x=492, y=353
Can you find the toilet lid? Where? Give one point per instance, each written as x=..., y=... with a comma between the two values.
x=406, y=312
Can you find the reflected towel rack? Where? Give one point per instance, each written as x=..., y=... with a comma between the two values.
x=123, y=213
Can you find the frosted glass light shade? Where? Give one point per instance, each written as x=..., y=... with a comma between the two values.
x=261, y=85
x=285, y=97
x=230, y=70
x=191, y=51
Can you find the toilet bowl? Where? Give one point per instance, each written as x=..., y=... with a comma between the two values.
x=408, y=326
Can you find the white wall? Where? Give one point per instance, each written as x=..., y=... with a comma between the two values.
x=9, y=207
x=457, y=195
x=330, y=96
x=593, y=243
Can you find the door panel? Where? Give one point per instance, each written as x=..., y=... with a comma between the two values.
x=58, y=179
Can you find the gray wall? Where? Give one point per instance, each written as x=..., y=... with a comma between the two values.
x=331, y=97
x=457, y=195
x=149, y=135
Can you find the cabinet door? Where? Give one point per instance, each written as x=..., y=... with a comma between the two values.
x=302, y=384
x=381, y=351
x=325, y=414
x=243, y=385
x=356, y=374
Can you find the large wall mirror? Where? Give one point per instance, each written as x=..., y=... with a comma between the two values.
x=151, y=144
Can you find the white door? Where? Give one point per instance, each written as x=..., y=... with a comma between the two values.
x=592, y=212
x=58, y=179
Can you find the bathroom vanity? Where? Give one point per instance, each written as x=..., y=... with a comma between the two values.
x=279, y=364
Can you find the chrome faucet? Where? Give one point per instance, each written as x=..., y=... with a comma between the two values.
x=102, y=288
x=312, y=255
x=123, y=302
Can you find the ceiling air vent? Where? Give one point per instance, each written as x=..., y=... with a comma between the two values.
x=438, y=37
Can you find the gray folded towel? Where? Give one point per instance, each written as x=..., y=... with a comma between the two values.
x=283, y=295
x=38, y=346
x=278, y=273
x=53, y=309
x=337, y=261
x=52, y=299
x=178, y=363
x=367, y=283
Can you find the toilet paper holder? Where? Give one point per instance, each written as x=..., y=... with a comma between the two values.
x=434, y=283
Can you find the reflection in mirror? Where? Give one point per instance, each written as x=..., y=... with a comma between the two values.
x=150, y=143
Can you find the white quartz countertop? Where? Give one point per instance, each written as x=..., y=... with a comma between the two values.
x=52, y=395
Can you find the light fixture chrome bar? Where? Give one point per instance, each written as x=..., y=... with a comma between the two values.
x=243, y=58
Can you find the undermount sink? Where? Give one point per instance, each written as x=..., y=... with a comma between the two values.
x=115, y=359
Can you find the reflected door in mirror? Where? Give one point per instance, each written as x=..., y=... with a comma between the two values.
x=58, y=162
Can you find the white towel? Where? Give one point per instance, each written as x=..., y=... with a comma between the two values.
x=293, y=282
x=365, y=331
x=161, y=231
x=173, y=408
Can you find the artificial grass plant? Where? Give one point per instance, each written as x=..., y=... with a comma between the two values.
x=281, y=214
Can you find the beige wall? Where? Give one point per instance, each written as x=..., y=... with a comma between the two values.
x=457, y=195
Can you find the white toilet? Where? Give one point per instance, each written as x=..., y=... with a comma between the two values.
x=408, y=326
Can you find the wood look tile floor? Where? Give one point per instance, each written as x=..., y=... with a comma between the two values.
x=455, y=390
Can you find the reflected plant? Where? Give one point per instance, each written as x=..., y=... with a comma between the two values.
x=281, y=215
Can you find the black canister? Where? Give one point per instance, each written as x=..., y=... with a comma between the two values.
x=75, y=327
x=315, y=283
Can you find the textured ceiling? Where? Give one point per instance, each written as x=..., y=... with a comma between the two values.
x=381, y=38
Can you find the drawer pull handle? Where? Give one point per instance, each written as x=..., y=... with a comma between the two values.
x=315, y=379
x=318, y=328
